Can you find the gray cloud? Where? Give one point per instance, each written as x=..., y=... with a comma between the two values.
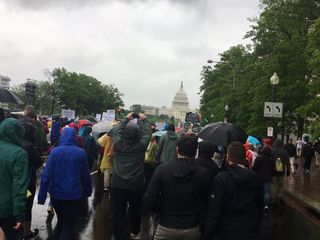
x=144, y=48
x=70, y=4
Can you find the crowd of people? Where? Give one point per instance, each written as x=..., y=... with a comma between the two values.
x=191, y=188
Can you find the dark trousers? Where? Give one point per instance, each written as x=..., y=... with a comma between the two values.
x=67, y=213
x=307, y=163
x=7, y=225
x=120, y=199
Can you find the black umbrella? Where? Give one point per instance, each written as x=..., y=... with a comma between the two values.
x=222, y=134
x=6, y=96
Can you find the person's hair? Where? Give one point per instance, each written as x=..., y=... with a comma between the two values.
x=207, y=149
x=31, y=115
x=171, y=127
x=236, y=152
x=187, y=146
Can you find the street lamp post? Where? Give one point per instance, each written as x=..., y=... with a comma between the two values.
x=233, y=71
x=274, y=80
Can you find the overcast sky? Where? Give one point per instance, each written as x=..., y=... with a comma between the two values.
x=143, y=47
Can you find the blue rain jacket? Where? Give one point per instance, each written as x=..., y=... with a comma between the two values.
x=66, y=175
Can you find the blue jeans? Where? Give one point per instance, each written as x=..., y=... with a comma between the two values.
x=267, y=193
x=120, y=199
x=67, y=213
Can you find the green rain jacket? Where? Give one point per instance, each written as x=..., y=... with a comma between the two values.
x=166, y=151
x=14, y=172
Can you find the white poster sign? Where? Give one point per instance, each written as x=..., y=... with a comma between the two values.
x=98, y=117
x=108, y=116
x=67, y=113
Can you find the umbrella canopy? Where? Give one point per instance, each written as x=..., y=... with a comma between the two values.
x=90, y=118
x=254, y=141
x=160, y=133
x=101, y=127
x=222, y=134
x=6, y=96
x=83, y=122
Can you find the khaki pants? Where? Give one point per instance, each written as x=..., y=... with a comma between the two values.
x=317, y=159
x=164, y=233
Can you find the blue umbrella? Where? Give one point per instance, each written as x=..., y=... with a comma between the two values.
x=254, y=141
x=160, y=133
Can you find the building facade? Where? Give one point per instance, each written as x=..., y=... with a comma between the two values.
x=5, y=82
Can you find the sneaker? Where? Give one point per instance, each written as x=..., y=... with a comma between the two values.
x=134, y=236
x=31, y=235
x=50, y=211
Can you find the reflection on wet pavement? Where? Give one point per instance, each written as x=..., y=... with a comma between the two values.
x=95, y=221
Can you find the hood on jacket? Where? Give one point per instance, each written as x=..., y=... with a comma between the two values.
x=266, y=151
x=11, y=130
x=85, y=131
x=183, y=169
x=244, y=178
x=207, y=149
x=172, y=135
x=30, y=132
x=69, y=137
x=131, y=132
x=278, y=143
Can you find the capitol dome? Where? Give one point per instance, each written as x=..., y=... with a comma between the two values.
x=180, y=100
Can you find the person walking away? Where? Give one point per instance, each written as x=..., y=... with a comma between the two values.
x=67, y=178
x=292, y=152
x=167, y=148
x=206, y=152
x=13, y=178
x=41, y=136
x=265, y=169
x=106, y=166
x=179, y=193
x=317, y=152
x=299, y=145
x=280, y=158
x=55, y=130
x=236, y=200
x=308, y=153
x=89, y=145
x=28, y=143
x=130, y=141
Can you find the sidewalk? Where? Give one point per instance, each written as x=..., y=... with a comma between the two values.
x=305, y=188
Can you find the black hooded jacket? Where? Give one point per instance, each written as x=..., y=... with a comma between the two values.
x=235, y=205
x=178, y=192
x=278, y=151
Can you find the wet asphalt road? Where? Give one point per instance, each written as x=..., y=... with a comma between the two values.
x=95, y=221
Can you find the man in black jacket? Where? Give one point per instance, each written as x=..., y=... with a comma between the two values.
x=178, y=193
x=206, y=151
x=292, y=151
x=281, y=161
x=236, y=201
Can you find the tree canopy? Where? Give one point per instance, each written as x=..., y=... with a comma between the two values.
x=285, y=39
x=70, y=90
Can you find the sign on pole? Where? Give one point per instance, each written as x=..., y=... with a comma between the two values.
x=273, y=109
x=270, y=132
x=67, y=113
x=108, y=116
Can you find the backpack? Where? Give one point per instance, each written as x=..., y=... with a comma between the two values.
x=279, y=165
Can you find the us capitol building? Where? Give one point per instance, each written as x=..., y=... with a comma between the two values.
x=179, y=108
